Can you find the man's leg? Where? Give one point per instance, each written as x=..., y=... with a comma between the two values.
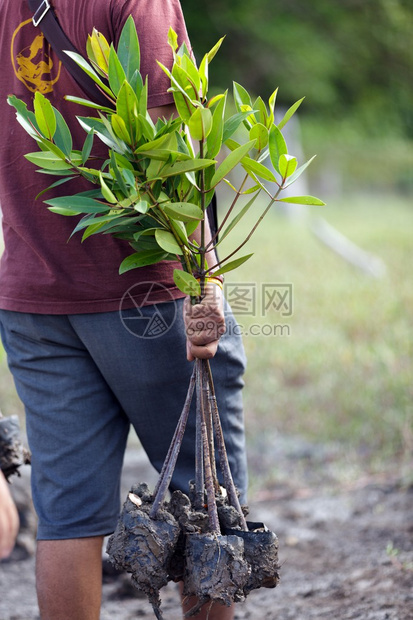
x=77, y=435
x=208, y=611
x=69, y=578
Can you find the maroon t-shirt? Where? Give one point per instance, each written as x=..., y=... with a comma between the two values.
x=40, y=270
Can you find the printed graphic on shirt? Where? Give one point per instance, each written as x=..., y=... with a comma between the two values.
x=33, y=64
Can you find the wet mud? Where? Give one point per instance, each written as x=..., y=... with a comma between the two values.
x=176, y=545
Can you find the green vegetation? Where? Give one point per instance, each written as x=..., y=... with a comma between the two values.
x=345, y=371
x=154, y=187
x=350, y=59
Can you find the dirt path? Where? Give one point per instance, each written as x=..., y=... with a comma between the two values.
x=346, y=552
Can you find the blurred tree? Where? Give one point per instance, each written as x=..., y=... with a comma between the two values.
x=353, y=59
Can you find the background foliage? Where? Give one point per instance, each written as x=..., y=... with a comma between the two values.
x=352, y=59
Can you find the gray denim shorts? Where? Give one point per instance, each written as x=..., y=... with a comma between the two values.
x=84, y=379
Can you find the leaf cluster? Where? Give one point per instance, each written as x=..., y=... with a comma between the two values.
x=158, y=179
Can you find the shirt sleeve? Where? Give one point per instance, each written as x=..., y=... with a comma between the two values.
x=153, y=18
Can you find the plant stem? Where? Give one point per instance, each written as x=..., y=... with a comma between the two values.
x=254, y=228
x=171, y=458
x=210, y=429
x=228, y=213
x=209, y=483
x=202, y=248
x=199, y=452
x=223, y=457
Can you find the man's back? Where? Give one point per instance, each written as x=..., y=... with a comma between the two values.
x=40, y=271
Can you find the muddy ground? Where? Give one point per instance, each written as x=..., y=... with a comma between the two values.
x=345, y=538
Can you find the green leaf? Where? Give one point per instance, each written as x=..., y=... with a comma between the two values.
x=117, y=74
x=167, y=241
x=153, y=144
x=251, y=165
x=92, y=229
x=146, y=126
x=127, y=108
x=172, y=39
x=88, y=69
x=214, y=140
x=212, y=52
x=106, y=191
x=181, y=167
x=120, y=129
x=46, y=146
x=63, y=211
x=117, y=175
x=186, y=283
x=44, y=114
x=250, y=120
x=128, y=48
x=101, y=131
x=200, y=123
x=277, y=146
x=299, y=172
x=182, y=100
x=287, y=165
x=180, y=231
x=303, y=200
x=25, y=118
x=184, y=81
x=203, y=74
x=62, y=136
x=55, y=184
x=87, y=147
x=137, y=83
x=47, y=160
x=88, y=104
x=241, y=96
x=191, y=227
x=98, y=45
x=290, y=112
x=231, y=124
x=79, y=204
x=188, y=65
x=183, y=211
x=165, y=155
x=233, y=264
x=142, y=259
x=215, y=99
x=87, y=220
x=271, y=103
x=141, y=206
x=231, y=161
x=259, y=132
x=262, y=114
x=272, y=99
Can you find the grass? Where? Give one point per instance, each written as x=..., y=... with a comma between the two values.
x=344, y=373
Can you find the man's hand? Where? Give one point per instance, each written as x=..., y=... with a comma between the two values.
x=204, y=323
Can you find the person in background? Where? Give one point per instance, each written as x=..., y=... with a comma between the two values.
x=9, y=519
